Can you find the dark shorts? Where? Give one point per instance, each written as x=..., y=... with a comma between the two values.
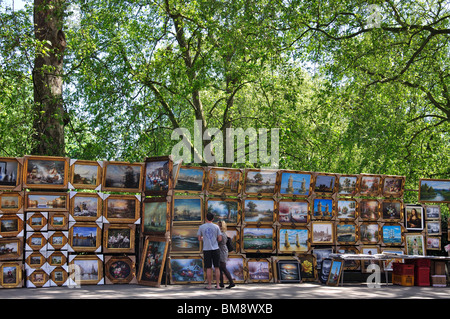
x=211, y=257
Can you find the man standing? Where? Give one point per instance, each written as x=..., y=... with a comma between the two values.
x=210, y=234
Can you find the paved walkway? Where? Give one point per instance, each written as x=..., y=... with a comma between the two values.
x=241, y=292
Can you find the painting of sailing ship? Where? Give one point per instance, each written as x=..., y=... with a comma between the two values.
x=187, y=210
x=345, y=233
x=154, y=217
x=293, y=240
x=392, y=234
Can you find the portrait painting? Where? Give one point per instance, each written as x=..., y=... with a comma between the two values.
x=415, y=244
x=414, y=218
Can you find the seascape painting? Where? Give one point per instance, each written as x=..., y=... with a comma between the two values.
x=190, y=179
x=154, y=217
x=187, y=210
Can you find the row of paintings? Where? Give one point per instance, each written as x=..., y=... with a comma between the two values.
x=285, y=182
x=80, y=237
x=187, y=210
x=88, y=269
x=47, y=172
x=285, y=240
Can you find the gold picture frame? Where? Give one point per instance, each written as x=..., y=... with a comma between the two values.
x=123, y=209
x=45, y=172
x=11, y=173
x=85, y=237
x=11, y=274
x=119, y=238
x=86, y=174
x=37, y=201
x=118, y=176
x=86, y=207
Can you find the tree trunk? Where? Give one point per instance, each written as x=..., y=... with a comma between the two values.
x=49, y=114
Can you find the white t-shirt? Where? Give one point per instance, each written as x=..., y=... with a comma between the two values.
x=210, y=232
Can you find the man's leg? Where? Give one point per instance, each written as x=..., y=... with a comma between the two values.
x=209, y=276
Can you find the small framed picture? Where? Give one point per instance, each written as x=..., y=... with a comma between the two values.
x=322, y=233
x=153, y=261
x=124, y=209
x=347, y=185
x=119, y=238
x=434, y=190
x=46, y=172
x=59, y=276
x=346, y=233
x=258, y=211
x=57, y=258
x=393, y=186
x=414, y=218
x=185, y=240
x=85, y=237
x=288, y=271
x=120, y=269
x=415, y=244
x=11, y=202
x=392, y=234
x=370, y=185
x=259, y=270
x=37, y=278
x=335, y=272
x=158, y=175
x=187, y=210
x=155, y=216
x=225, y=181
x=89, y=268
x=369, y=209
x=296, y=183
x=122, y=177
x=323, y=208
x=347, y=209
x=35, y=259
x=369, y=232
x=391, y=210
x=46, y=201
x=260, y=182
x=10, y=173
x=433, y=227
x=58, y=221
x=228, y=210
x=190, y=179
x=325, y=184
x=293, y=212
x=258, y=239
x=11, y=274
x=433, y=243
x=86, y=174
x=11, y=225
x=432, y=212
x=11, y=248
x=37, y=221
x=57, y=240
x=293, y=240
x=86, y=207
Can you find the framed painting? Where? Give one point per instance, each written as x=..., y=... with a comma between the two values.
x=11, y=202
x=335, y=272
x=392, y=186
x=155, y=216
x=434, y=190
x=37, y=278
x=158, y=175
x=185, y=240
x=293, y=212
x=35, y=259
x=236, y=267
x=414, y=218
x=46, y=201
x=322, y=208
x=59, y=276
x=36, y=221
x=86, y=207
x=11, y=225
x=11, y=249
x=85, y=237
x=122, y=177
x=187, y=210
x=415, y=244
x=190, y=179
x=391, y=210
x=349, y=264
x=224, y=181
x=86, y=174
x=388, y=264
x=45, y=172
x=186, y=270
x=325, y=184
x=258, y=211
x=370, y=185
x=120, y=269
x=123, y=209
x=57, y=258
x=260, y=182
x=258, y=239
x=10, y=173
x=369, y=233
x=288, y=271
x=321, y=254
x=87, y=268
x=292, y=241
x=347, y=185
x=11, y=274
x=369, y=209
x=308, y=266
x=295, y=183
x=369, y=250
x=119, y=238
x=36, y=240
x=57, y=240
x=432, y=212
x=433, y=243
x=433, y=227
x=392, y=234
x=58, y=221
x=322, y=233
x=346, y=233
x=259, y=270
x=227, y=210
x=347, y=209
x=153, y=261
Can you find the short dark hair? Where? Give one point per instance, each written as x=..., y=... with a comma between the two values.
x=209, y=216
